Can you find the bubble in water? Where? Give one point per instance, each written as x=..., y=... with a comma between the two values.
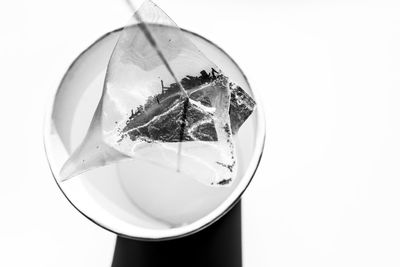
x=164, y=102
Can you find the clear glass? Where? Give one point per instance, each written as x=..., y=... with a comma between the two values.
x=138, y=198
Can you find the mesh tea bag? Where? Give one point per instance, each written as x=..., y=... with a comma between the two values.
x=165, y=102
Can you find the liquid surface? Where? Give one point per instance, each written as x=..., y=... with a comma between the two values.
x=137, y=197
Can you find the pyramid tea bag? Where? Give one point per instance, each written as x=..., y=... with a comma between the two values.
x=165, y=102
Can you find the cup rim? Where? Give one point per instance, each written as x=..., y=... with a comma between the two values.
x=216, y=213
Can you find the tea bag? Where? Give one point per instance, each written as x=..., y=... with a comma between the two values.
x=165, y=102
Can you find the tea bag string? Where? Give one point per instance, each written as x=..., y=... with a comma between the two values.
x=143, y=26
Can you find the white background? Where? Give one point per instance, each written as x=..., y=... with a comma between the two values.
x=327, y=190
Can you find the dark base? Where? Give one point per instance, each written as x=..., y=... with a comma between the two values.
x=219, y=245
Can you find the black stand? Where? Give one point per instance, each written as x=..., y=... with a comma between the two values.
x=219, y=245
